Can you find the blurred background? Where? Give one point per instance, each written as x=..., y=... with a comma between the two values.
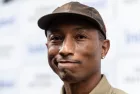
x=24, y=67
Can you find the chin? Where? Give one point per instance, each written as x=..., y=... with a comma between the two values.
x=66, y=77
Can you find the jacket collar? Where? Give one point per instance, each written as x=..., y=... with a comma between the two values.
x=103, y=87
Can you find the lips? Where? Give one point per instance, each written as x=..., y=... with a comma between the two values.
x=67, y=61
x=67, y=64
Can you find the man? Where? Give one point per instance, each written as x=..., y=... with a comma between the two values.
x=76, y=41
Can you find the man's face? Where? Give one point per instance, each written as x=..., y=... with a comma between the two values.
x=74, y=50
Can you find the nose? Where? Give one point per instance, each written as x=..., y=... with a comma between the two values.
x=68, y=47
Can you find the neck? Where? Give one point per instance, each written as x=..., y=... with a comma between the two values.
x=79, y=88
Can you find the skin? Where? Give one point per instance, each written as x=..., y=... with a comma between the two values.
x=74, y=53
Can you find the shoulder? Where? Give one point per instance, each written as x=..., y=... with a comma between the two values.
x=117, y=91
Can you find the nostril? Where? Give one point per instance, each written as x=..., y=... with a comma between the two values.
x=63, y=54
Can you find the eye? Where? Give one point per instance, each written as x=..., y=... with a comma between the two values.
x=80, y=37
x=56, y=38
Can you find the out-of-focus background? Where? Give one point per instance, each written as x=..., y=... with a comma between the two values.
x=24, y=67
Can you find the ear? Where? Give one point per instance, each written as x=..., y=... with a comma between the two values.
x=105, y=48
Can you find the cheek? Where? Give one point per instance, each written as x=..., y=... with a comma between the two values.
x=89, y=54
x=86, y=50
x=52, y=52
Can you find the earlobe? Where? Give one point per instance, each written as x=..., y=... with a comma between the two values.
x=105, y=48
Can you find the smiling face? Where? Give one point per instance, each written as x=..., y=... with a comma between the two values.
x=74, y=49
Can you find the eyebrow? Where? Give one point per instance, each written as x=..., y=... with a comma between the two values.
x=52, y=30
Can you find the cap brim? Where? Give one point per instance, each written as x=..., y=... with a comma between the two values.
x=45, y=21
